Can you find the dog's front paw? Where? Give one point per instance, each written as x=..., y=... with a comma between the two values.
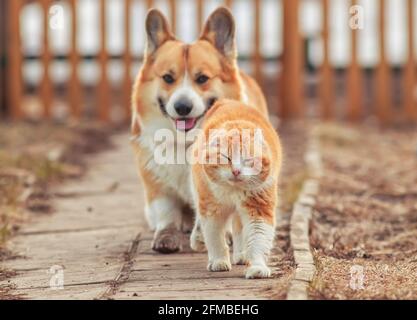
x=239, y=258
x=257, y=272
x=219, y=265
x=187, y=222
x=167, y=241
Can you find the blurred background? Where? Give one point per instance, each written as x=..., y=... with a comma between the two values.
x=344, y=59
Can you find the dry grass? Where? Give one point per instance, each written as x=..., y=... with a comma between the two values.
x=366, y=214
x=381, y=280
x=35, y=156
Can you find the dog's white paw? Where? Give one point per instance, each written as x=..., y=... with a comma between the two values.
x=239, y=258
x=167, y=241
x=257, y=272
x=187, y=223
x=197, y=241
x=229, y=239
x=219, y=265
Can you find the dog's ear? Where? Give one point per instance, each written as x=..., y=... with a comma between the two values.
x=157, y=31
x=220, y=31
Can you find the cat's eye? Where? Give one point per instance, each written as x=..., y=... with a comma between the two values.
x=168, y=78
x=201, y=79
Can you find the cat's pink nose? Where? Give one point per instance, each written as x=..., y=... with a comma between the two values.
x=236, y=172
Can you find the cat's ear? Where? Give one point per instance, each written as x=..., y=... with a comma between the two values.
x=219, y=30
x=157, y=31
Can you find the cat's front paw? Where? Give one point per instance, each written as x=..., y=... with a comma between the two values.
x=219, y=265
x=258, y=272
x=240, y=258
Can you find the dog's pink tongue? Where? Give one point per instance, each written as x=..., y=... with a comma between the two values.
x=185, y=124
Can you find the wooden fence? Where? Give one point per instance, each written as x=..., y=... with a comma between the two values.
x=289, y=82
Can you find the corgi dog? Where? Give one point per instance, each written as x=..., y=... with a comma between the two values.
x=176, y=85
x=232, y=181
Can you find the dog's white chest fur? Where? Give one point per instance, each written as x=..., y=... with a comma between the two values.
x=174, y=176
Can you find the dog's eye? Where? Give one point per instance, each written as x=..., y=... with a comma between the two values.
x=168, y=78
x=202, y=79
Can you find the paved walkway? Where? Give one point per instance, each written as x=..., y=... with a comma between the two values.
x=99, y=237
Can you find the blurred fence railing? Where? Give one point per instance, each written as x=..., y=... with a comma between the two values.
x=289, y=80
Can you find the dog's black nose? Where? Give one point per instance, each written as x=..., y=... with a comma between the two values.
x=183, y=107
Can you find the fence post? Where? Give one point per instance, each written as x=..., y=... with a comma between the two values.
x=228, y=3
x=291, y=88
x=382, y=89
x=75, y=88
x=354, y=79
x=46, y=86
x=410, y=106
x=14, y=59
x=127, y=61
x=326, y=75
x=257, y=59
x=173, y=14
x=103, y=87
x=3, y=28
x=200, y=14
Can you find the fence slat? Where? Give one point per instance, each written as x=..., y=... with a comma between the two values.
x=291, y=84
x=354, y=79
x=326, y=73
x=3, y=54
x=46, y=85
x=257, y=58
x=382, y=90
x=173, y=14
x=200, y=14
x=75, y=87
x=127, y=57
x=410, y=106
x=103, y=87
x=149, y=4
x=14, y=56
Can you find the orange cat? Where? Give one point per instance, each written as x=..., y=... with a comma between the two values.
x=235, y=177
